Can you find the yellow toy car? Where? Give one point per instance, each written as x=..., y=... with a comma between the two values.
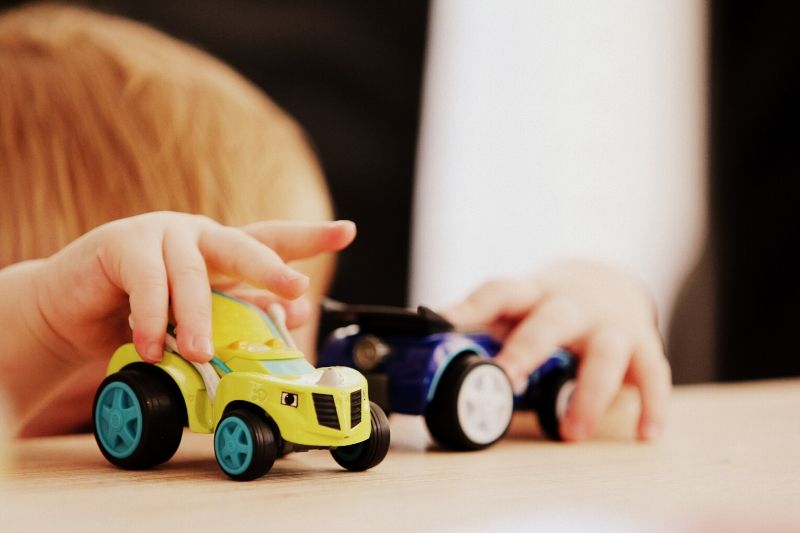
x=258, y=395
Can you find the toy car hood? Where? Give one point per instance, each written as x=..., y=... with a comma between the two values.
x=258, y=351
x=328, y=377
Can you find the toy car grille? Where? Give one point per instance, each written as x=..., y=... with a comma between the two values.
x=355, y=408
x=326, y=410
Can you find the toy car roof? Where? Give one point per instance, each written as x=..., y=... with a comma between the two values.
x=387, y=320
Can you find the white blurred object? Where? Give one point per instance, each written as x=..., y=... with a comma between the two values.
x=207, y=373
x=278, y=315
x=555, y=129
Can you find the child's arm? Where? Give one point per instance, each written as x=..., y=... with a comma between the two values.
x=65, y=311
x=600, y=314
x=29, y=367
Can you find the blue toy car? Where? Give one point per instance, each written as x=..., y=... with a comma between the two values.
x=417, y=364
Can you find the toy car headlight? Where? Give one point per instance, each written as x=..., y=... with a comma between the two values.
x=331, y=377
x=369, y=351
x=289, y=398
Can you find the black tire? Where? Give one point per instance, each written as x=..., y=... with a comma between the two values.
x=244, y=444
x=148, y=438
x=448, y=424
x=545, y=399
x=365, y=455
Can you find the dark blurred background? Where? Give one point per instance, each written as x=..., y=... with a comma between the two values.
x=350, y=72
x=742, y=304
x=755, y=185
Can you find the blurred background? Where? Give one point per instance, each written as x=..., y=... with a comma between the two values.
x=473, y=139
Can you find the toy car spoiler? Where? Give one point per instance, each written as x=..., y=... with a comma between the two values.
x=380, y=319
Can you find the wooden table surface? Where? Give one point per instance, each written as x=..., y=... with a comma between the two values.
x=730, y=460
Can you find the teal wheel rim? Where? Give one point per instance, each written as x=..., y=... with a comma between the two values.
x=233, y=444
x=118, y=420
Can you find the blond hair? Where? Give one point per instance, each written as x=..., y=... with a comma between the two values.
x=102, y=118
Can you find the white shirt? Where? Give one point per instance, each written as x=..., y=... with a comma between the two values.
x=556, y=129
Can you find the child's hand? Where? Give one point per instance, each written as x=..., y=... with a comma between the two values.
x=149, y=263
x=598, y=313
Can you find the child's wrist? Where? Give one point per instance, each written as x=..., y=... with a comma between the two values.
x=30, y=364
x=33, y=311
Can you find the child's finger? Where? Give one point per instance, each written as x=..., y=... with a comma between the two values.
x=495, y=300
x=650, y=371
x=190, y=295
x=298, y=312
x=600, y=377
x=298, y=240
x=234, y=252
x=555, y=323
x=144, y=278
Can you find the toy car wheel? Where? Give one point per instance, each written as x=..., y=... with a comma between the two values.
x=245, y=444
x=473, y=405
x=364, y=455
x=138, y=417
x=552, y=398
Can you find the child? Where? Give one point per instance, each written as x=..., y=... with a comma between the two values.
x=102, y=119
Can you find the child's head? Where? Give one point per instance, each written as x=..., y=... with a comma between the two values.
x=102, y=118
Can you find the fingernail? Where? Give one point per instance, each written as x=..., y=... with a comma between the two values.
x=202, y=344
x=514, y=371
x=574, y=430
x=294, y=275
x=299, y=310
x=651, y=431
x=154, y=352
x=297, y=277
x=520, y=385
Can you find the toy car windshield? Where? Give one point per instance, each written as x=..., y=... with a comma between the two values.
x=387, y=320
x=288, y=367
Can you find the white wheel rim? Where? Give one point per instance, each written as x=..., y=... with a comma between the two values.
x=563, y=398
x=485, y=404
